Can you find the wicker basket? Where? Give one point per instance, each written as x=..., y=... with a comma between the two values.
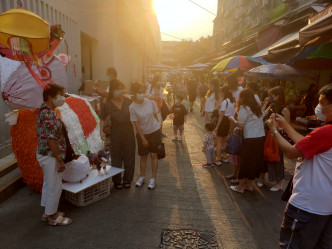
x=90, y=195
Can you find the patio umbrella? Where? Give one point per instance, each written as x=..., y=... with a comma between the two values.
x=197, y=66
x=19, y=89
x=317, y=57
x=274, y=71
x=238, y=62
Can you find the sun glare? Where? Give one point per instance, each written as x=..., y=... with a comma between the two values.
x=171, y=14
x=183, y=19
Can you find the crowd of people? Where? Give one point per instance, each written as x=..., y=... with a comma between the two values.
x=227, y=108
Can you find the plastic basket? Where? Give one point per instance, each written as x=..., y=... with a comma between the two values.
x=91, y=194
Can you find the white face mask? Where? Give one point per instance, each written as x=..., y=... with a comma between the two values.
x=140, y=96
x=319, y=112
x=118, y=93
x=59, y=100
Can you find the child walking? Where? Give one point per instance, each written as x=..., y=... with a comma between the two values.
x=209, y=145
x=180, y=112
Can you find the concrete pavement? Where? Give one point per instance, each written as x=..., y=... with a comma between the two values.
x=186, y=197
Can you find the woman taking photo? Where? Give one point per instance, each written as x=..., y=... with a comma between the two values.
x=122, y=134
x=278, y=105
x=212, y=100
x=143, y=112
x=226, y=110
x=250, y=119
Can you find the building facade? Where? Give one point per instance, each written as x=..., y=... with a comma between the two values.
x=240, y=19
x=168, y=55
x=99, y=34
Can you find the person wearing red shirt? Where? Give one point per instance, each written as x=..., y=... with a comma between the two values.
x=307, y=221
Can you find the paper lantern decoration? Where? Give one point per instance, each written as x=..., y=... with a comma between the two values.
x=19, y=89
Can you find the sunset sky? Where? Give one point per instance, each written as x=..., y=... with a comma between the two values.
x=184, y=19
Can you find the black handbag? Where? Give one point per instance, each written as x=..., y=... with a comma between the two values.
x=70, y=153
x=288, y=191
x=161, y=153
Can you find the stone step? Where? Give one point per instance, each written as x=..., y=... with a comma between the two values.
x=7, y=166
x=10, y=183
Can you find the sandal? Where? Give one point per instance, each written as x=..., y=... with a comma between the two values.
x=45, y=217
x=60, y=221
x=249, y=189
x=235, y=181
x=118, y=186
x=234, y=188
x=126, y=184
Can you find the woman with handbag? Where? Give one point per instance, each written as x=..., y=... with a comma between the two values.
x=121, y=132
x=143, y=113
x=250, y=118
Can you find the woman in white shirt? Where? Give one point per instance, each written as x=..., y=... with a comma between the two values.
x=143, y=113
x=234, y=86
x=212, y=100
x=250, y=118
x=226, y=110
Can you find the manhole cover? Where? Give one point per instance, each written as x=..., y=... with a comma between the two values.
x=188, y=239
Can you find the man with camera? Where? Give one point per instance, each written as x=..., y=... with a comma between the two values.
x=307, y=221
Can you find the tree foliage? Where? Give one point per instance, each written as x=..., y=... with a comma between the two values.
x=187, y=51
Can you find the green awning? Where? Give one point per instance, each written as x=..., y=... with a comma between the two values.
x=278, y=12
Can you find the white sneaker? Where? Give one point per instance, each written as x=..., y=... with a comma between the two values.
x=218, y=163
x=152, y=183
x=174, y=138
x=180, y=139
x=140, y=181
x=225, y=160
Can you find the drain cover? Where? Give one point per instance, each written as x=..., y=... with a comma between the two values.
x=187, y=239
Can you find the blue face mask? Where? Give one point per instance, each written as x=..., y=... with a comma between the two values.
x=176, y=101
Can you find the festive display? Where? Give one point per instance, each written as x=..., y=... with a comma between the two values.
x=83, y=136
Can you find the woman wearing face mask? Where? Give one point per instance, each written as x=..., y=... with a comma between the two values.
x=143, y=112
x=51, y=152
x=122, y=134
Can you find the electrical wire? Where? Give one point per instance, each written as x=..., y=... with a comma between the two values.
x=202, y=7
x=171, y=36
